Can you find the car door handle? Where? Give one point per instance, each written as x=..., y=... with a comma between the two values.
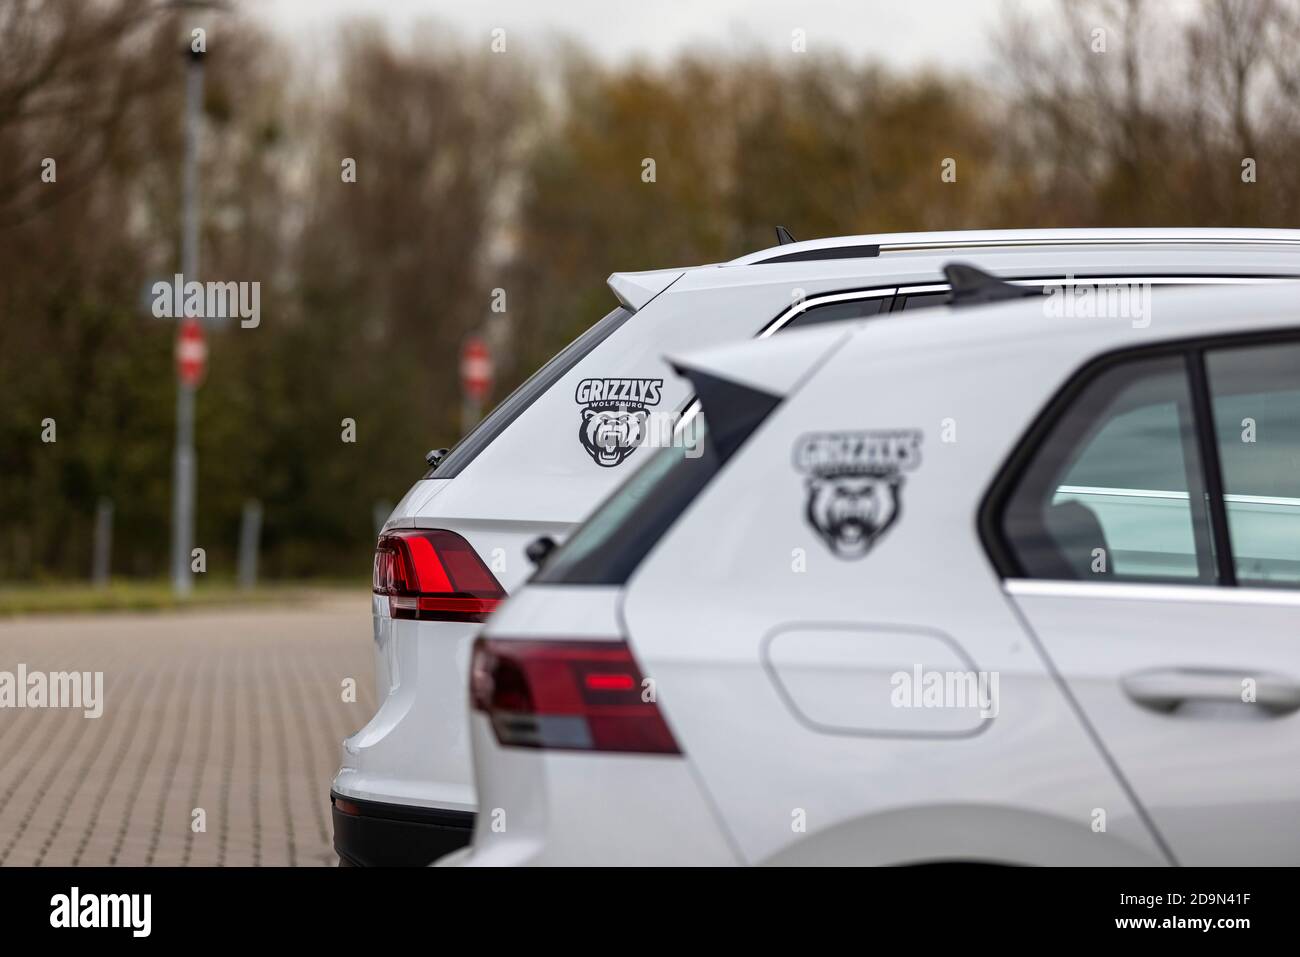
x=1165, y=689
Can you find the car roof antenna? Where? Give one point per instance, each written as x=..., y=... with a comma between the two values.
x=783, y=236
x=971, y=286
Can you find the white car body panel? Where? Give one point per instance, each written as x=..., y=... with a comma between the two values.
x=1220, y=783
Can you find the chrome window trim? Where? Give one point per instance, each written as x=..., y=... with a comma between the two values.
x=1121, y=492
x=1232, y=497
x=1135, y=591
x=803, y=305
x=1154, y=280
x=690, y=412
x=784, y=319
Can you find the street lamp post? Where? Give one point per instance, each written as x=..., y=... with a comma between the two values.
x=184, y=464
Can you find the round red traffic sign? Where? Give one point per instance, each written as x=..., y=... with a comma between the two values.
x=191, y=353
x=475, y=368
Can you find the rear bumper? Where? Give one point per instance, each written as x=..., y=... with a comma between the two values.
x=413, y=753
x=371, y=834
x=557, y=808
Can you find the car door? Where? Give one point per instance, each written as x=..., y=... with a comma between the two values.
x=1150, y=536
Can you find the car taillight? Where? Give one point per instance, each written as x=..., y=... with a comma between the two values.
x=434, y=575
x=575, y=695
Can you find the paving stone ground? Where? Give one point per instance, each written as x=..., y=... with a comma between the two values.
x=238, y=712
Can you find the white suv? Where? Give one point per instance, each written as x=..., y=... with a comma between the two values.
x=456, y=545
x=990, y=585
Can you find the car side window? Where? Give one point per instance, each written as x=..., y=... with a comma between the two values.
x=1115, y=491
x=923, y=300
x=838, y=312
x=1255, y=397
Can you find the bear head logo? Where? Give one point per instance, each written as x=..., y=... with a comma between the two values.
x=854, y=484
x=611, y=435
x=850, y=512
x=615, y=416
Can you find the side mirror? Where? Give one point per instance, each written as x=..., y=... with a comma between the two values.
x=539, y=548
x=434, y=456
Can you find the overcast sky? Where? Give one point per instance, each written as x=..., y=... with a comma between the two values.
x=905, y=33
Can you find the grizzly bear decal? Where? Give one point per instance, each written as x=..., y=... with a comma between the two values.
x=854, y=484
x=614, y=416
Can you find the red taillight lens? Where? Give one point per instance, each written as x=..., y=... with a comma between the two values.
x=434, y=575
x=576, y=695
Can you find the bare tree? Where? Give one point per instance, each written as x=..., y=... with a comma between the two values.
x=70, y=73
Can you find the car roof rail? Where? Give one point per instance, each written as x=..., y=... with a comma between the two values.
x=973, y=287
x=829, y=252
x=876, y=244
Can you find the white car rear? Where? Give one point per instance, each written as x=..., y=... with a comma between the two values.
x=555, y=448
x=992, y=584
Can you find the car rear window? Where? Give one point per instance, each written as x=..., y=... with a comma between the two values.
x=510, y=408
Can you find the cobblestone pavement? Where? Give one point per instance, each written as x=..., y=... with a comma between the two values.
x=237, y=712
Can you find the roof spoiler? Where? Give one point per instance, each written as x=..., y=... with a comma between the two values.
x=635, y=289
x=735, y=409
x=738, y=384
x=973, y=287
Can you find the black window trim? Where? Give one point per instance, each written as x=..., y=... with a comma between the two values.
x=1199, y=498
x=1211, y=466
x=988, y=520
